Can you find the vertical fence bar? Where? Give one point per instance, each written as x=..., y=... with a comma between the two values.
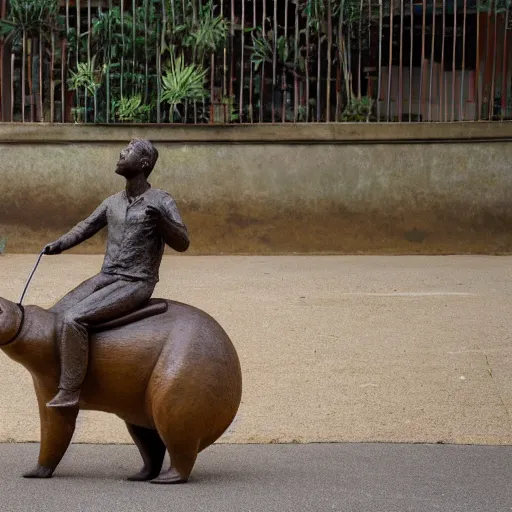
x=30, y=63
x=194, y=11
x=262, y=74
x=68, y=57
x=360, y=53
x=453, y=59
x=339, y=71
x=40, y=50
x=23, y=77
x=370, y=86
x=307, y=64
x=63, y=60
x=173, y=16
x=78, y=19
x=329, y=62
x=146, y=53
x=134, y=36
x=379, y=80
x=411, y=7
x=232, y=60
x=284, y=85
x=274, y=63
x=295, y=66
x=432, y=60
x=442, y=99
x=224, y=70
x=486, y=90
x=108, y=61
x=52, y=81
x=319, y=66
x=13, y=57
x=242, y=63
x=477, y=72
x=161, y=44
x=212, y=88
x=391, y=8
x=504, y=70
x=251, y=77
x=3, y=114
x=422, y=66
x=121, y=75
x=461, y=110
x=400, y=64
x=495, y=51
x=194, y=21
x=158, y=42
x=89, y=30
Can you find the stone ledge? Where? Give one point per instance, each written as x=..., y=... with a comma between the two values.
x=302, y=133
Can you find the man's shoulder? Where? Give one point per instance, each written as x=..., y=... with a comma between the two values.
x=114, y=197
x=159, y=194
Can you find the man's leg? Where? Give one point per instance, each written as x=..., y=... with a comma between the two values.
x=112, y=301
x=82, y=291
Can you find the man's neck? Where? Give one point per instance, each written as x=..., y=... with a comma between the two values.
x=136, y=186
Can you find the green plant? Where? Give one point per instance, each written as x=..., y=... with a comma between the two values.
x=132, y=109
x=201, y=32
x=31, y=18
x=182, y=82
x=84, y=77
x=358, y=110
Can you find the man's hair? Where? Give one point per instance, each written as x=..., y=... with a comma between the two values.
x=149, y=151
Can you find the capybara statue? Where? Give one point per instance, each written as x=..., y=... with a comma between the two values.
x=168, y=370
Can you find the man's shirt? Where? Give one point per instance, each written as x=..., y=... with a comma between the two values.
x=135, y=244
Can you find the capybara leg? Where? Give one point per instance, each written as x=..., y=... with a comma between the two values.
x=183, y=458
x=152, y=449
x=57, y=428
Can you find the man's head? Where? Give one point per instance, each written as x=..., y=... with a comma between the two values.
x=139, y=156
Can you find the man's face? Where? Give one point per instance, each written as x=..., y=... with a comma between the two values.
x=130, y=161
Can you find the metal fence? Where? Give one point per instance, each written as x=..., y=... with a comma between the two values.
x=254, y=61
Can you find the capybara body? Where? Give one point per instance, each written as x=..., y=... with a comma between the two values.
x=174, y=378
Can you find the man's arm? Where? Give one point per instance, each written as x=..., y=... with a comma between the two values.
x=173, y=229
x=81, y=232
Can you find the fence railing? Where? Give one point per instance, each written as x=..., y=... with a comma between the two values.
x=254, y=61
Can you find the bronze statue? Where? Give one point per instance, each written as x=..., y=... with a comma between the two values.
x=167, y=369
x=173, y=377
x=140, y=220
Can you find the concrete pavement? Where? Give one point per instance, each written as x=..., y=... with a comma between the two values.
x=269, y=478
x=355, y=348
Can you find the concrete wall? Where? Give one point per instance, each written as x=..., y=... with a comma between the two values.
x=436, y=188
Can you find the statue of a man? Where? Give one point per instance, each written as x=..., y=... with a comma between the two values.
x=141, y=220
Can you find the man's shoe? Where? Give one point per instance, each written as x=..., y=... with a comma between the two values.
x=65, y=398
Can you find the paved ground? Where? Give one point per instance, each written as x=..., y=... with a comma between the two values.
x=356, y=348
x=280, y=478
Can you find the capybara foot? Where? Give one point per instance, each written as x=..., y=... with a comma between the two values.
x=39, y=472
x=144, y=475
x=170, y=477
x=65, y=398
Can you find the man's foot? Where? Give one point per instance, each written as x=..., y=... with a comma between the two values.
x=65, y=398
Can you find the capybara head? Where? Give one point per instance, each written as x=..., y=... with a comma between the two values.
x=10, y=320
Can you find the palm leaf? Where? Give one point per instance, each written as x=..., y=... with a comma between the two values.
x=183, y=82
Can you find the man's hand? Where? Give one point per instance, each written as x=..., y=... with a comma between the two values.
x=53, y=248
x=153, y=212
